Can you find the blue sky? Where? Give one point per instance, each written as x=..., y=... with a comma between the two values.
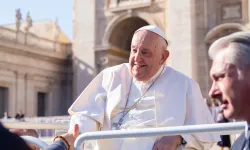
x=40, y=10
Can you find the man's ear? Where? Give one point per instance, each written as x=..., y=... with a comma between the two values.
x=165, y=55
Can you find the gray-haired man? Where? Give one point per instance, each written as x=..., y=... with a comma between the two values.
x=230, y=73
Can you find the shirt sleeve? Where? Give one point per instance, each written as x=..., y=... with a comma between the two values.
x=57, y=145
x=85, y=124
x=89, y=107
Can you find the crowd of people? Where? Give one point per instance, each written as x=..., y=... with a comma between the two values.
x=146, y=93
x=19, y=116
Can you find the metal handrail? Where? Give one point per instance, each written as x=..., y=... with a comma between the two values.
x=29, y=125
x=222, y=128
x=35, y=141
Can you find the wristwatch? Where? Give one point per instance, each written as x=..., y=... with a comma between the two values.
x=183, y=142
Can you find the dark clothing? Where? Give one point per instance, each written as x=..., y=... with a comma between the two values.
x=240, y=143
x=10, y=141
x=19, y=116
x=225, y=139
x=57, y=145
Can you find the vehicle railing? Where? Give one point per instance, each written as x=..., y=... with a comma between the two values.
x=220, y=129
x=29, y=125
x=35, y=141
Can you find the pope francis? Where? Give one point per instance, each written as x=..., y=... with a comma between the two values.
x=144, y=93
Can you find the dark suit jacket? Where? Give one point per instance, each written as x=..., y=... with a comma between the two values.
x=10, y=141
x=57, y=145
x=239, y=143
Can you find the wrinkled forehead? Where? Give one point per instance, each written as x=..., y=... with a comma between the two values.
x=145, y=37
x=218, y=64
x=221, y=65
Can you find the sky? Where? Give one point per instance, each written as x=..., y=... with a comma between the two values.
x=40, y=10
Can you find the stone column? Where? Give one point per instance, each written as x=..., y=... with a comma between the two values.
x=84, y=43
x=31, y=98
x=54, y=100
x=20, y=92
x=179, y=32
x=187, y=27
x=200, y=28
x=67, y=91
x=188, y=49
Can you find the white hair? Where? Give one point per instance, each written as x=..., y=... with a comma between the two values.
x=236, y=48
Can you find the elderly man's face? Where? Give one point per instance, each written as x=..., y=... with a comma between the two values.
x=230, y=88
x=147, y=55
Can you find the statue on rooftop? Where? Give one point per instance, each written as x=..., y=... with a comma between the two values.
x=56, y=30
x=28, y=22
x=18, y=19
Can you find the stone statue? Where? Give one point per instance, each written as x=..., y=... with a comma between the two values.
x=56, y=33
x=18, y=19
x=28, y=22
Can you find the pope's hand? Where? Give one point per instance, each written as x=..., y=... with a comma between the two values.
x=167, y=143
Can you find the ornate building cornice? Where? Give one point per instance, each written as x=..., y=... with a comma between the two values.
x=31, y=51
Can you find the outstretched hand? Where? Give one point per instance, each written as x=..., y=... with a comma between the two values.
x=71, y=137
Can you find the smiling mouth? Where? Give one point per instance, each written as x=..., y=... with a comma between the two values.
x=139, y=66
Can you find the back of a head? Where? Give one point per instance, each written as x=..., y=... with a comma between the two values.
x=11, y=141
x=237, y=47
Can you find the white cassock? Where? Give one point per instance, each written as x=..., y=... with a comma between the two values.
x=172, y=100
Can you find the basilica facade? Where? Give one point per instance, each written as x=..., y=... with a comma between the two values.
x=35, y=68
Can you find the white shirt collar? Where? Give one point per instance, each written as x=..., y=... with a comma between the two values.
x=148, y=82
